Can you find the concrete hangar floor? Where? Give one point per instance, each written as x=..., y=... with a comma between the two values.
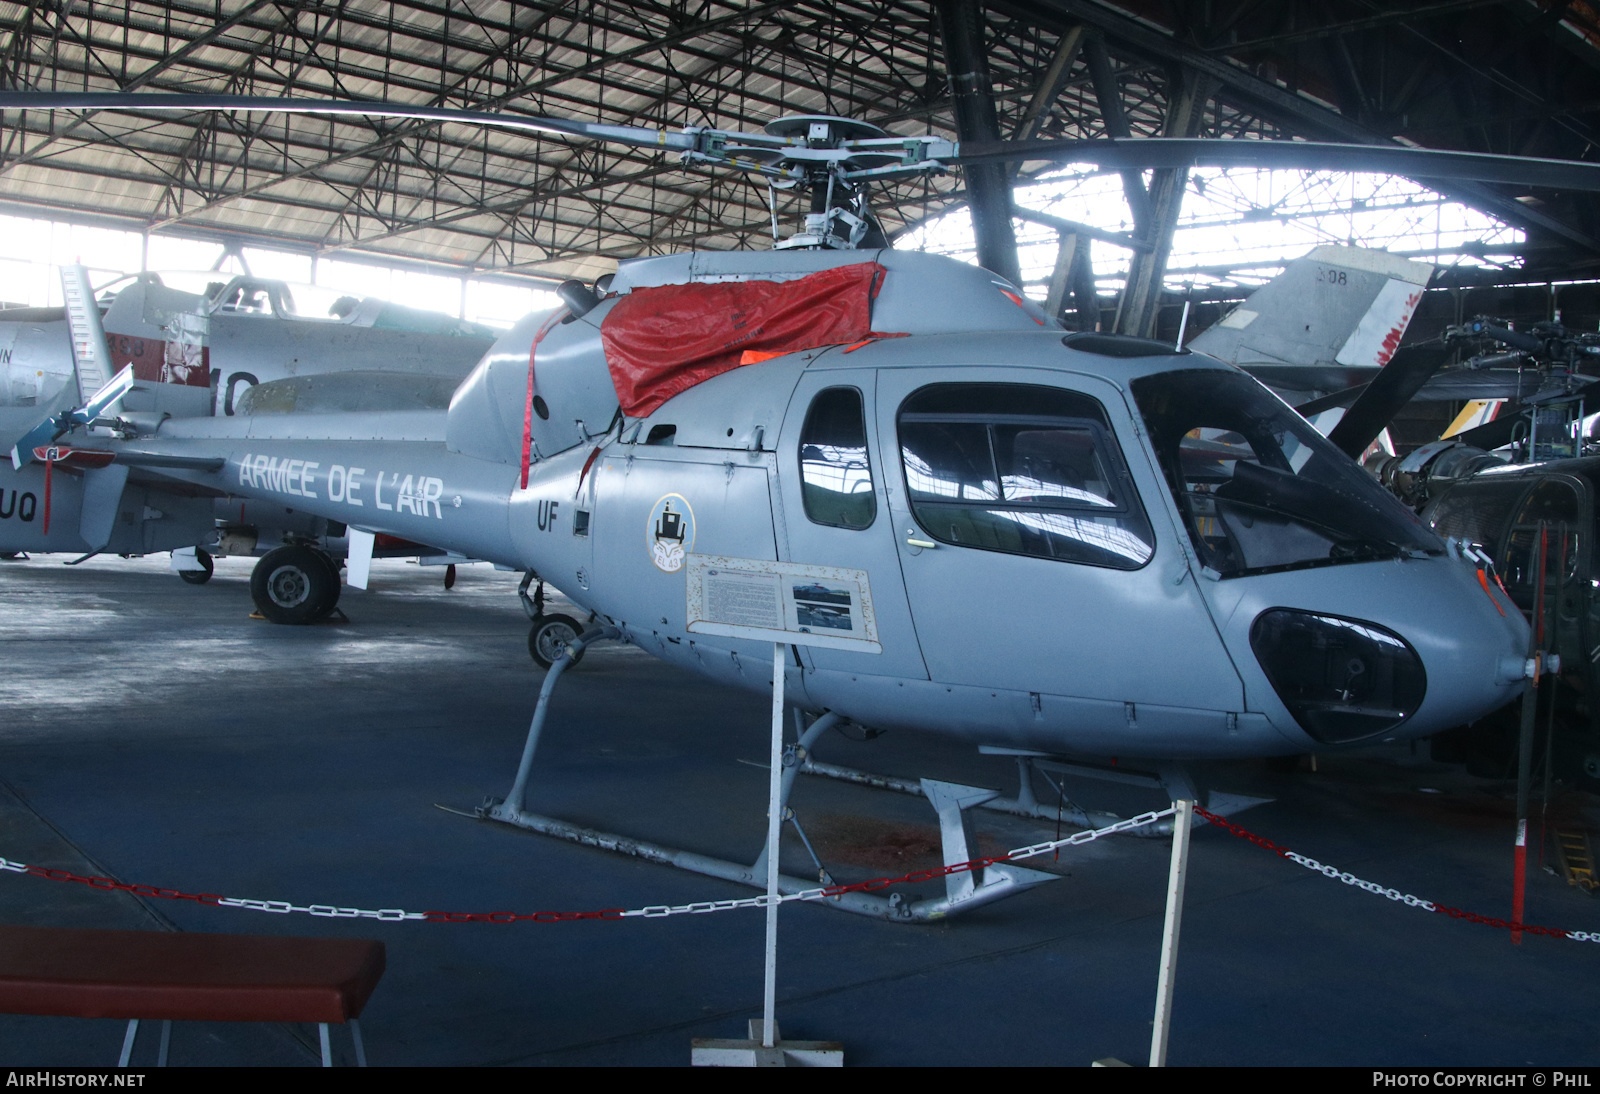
x=150, y=731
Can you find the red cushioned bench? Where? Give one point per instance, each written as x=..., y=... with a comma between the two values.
x=191, y=977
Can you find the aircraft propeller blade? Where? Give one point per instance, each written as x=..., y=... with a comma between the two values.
x=1394, y=386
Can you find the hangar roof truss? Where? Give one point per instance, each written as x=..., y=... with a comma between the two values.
x=1518, y=76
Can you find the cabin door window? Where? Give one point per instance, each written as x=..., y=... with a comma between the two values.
x=1021, y=469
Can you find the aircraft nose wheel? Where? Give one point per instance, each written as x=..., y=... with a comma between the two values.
x=295, y=585
x=548, y=635
x=199, y=577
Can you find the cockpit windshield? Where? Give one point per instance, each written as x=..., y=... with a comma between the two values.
x=1260, y=489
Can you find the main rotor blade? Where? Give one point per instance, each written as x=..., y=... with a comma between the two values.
x=1390, y=390
x=1136, y=153
x=146, y=100
x=1328, y=402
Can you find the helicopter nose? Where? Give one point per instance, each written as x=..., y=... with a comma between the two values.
x=1342, y=679
x=1400, y=650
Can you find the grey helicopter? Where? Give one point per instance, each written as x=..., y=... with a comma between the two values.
x=399, y=359
x=1174, y=564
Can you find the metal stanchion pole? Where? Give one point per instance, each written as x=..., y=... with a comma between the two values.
x=1530, y=706
x=769, y=1021
x=1169, y=936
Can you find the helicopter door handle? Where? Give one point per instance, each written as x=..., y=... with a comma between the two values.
x=913, y=541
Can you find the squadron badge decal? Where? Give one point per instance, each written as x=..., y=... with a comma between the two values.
x=669, y=532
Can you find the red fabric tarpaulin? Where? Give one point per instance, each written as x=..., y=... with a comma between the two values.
x=663, y=340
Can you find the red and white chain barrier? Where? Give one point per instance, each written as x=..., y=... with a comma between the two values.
x=1393, y=894
x=654, y=911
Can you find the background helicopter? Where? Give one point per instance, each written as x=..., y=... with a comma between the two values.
x=1494, y=485
x=920, y=421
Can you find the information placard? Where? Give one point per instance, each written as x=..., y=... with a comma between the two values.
x=789, y=602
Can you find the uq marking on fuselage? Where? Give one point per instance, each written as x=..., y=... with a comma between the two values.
x=17, y=504
x=356, y=486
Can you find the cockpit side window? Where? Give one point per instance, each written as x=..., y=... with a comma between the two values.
x=1259, y=488
x=1021, y=469
x=835, y=472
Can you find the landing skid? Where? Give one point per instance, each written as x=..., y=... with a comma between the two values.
x=1171, y=779
x=963, y=891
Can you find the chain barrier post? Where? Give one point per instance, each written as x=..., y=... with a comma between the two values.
x=1540, y=551
x=1182, y=821
x=769, y=996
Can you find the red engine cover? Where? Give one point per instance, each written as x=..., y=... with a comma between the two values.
x=663, y=340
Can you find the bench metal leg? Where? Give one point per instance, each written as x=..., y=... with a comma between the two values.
x=127, y=1042
x=132, y=1034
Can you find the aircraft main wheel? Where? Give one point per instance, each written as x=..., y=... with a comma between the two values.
x=548, y=634
x=334, y=576
x=294, y=585
x=199, y=577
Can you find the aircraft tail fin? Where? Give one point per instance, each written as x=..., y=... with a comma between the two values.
x=1336, y=306
x=1477, y=412
x=98, y=390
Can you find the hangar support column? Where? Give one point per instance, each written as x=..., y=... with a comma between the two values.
x=988, y=185
x=1142, y=298
x=1074, y=272
x=1109, y=97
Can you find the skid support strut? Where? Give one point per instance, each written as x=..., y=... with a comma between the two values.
x=963, y=891
x=1169, y=778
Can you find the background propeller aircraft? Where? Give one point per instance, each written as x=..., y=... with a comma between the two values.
x=240, y=331
x=198, y=355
